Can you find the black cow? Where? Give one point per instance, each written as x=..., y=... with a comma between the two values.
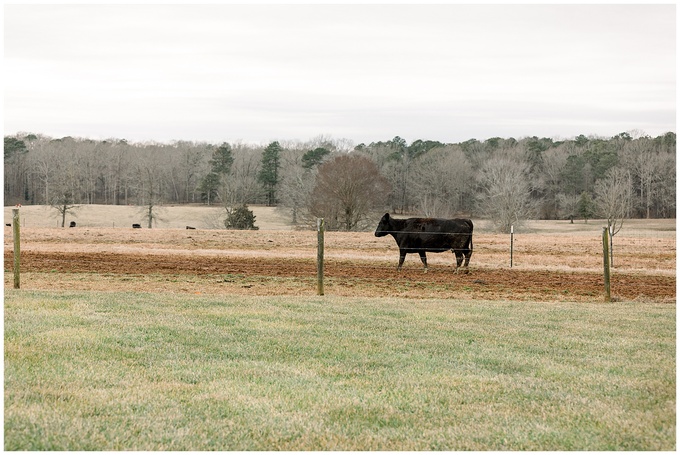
x=433, y=235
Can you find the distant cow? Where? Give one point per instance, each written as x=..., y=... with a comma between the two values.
x=433, y=235
x=72, y=224
x=136, y=226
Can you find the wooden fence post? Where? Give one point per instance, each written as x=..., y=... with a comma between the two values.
x=16, y=229
x=605, y=253
x=512, y=242
x=611, y=245
x=319, y=255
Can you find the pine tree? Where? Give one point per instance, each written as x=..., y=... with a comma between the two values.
x=220, y=166
x=585, y=206
x=269, y=173
x=240, y=218
x=222, y=159
x=314, y=157
x=208, y=187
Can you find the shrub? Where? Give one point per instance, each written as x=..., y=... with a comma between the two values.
x=240, y=218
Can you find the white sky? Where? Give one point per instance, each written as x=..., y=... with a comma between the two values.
x=256, y=73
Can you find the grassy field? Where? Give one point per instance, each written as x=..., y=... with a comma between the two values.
x=123, y=216
x=272, y=218
x=142, y=371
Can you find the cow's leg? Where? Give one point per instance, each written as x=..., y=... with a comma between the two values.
x=402, y=257
x=468, y=255
x=423, y=258
x=459, y=259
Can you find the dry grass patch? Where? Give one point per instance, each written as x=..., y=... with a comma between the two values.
x=123, y=216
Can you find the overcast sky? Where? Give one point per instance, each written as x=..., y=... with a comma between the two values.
x=257, y=73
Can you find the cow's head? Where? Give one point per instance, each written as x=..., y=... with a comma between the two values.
x=384, y=226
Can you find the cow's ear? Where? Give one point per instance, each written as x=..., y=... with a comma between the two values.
x=386, y=216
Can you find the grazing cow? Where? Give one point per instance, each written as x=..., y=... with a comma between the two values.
x=434, y=235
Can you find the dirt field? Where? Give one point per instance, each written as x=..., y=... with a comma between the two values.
x=547, y=265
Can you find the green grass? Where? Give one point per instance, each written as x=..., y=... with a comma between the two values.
x=124, y=371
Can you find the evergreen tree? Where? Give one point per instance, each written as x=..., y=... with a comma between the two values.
x=14, y=146
x=585, y=207
x=240, y=218
x=222, y=159
x=208, y=187
x=314, y=157
x=220, y=166
x=269, y=172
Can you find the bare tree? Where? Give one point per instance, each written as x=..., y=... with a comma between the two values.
x=17, y=169
x=90, y=169
x=119, y=175
x=646, y=166
x=553, y=164
x=187, y=164
x=64, y=205
x=44, y=169
x=440, y=180
x=297, y=183
x=613, y=197
x=347, y=188
x=241, y=186
x=506, y=192
x=567, y=204
x=150, y=179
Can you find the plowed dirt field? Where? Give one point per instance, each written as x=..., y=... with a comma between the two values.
x=545, y=267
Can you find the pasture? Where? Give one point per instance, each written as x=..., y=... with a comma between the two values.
x=142, y=371
x=174, y=339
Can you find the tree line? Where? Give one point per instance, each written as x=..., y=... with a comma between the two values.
x=506, y=180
